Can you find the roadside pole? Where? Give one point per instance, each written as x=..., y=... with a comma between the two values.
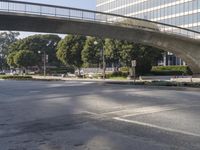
x=134, y=64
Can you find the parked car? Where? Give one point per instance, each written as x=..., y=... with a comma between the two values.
x=2, y=73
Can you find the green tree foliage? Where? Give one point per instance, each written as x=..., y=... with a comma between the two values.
x=6, y=39
x=124, y=52
x=112, y=52
x=92, y=52
x=147, y=57
x=75, y=50
x=25, y=58
x=128, y=52
x=10, y=59
x=35, y=43
x=69, y=50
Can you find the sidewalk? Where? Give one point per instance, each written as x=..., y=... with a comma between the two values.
x=184, y=79
x=78, y=79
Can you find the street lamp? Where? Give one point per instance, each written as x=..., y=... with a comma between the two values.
x=45, y=57
x=103, y=59
x=44, y=61
x=1, y=59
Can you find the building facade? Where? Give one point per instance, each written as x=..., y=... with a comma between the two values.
x=182, y=13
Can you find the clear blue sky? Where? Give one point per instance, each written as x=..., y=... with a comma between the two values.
x=84, y=4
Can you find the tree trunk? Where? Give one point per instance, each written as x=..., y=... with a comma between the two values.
x=79, y=72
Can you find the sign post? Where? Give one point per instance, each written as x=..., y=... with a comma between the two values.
x=134, y=64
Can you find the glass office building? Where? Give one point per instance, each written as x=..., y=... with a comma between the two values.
x=183, y=13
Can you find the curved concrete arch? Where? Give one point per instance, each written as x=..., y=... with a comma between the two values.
x=186, y=48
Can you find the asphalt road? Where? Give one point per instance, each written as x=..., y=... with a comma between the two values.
x=76, y=115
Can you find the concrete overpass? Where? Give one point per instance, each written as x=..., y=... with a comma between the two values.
x=34, y=17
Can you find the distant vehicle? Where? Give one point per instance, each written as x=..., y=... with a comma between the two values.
x=91, y=75
x=77, y=72
x=2, y=73
x=13, y=73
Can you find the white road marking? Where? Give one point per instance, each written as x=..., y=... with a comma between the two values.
x=157, y=127
x=91, y=113
x=150, y=110
x=34, y=91
x=142, y=110
x=94, y=115
x=147, y=110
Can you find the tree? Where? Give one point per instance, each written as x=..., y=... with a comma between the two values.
x=128, y=52
x=6, y=39
x=69, y=50
x=91, y=53
x=10, y=59
x=145, y=56
x=112, y=52
x=25, y=59
x=35, y=43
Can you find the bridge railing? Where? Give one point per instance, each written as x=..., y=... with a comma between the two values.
x=93, y=16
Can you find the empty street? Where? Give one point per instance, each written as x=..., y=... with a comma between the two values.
x=76, y=115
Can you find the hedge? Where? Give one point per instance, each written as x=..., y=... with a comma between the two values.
x=16, y=77
x=124, y=69
x=171, y=70
x=60, y=70
x=117, y=74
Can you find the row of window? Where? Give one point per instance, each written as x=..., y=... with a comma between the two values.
x=106, y=5
x=175, y=12
x=183, y=20
x=165, y=9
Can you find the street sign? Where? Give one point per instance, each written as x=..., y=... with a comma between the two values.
x=134, y=63
x=47, y=58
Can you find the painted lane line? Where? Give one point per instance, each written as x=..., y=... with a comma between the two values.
x=147, y=109
x=34, y=91
x=150, y=111
x=157, y=127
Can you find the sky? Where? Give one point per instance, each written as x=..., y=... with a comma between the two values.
x=84, y=4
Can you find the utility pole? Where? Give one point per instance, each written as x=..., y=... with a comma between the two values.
x=104, y=63
x=103, y=59
x=44, y=58
x=45, y=63
x=1, y=63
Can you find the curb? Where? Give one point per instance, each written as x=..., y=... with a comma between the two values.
x=177, y=88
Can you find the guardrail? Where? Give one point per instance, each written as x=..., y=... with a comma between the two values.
x=94, y=16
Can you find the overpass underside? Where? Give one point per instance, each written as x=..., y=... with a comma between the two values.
x=186, y=48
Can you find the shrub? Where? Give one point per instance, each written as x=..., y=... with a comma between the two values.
x=61, y=70
x=171, y=70
x=117, y=74
x=124, y=69
x=16, y=77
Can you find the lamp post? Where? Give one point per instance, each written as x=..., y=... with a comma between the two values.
x=103, y=59
x=1, y=63
x=45, y=57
